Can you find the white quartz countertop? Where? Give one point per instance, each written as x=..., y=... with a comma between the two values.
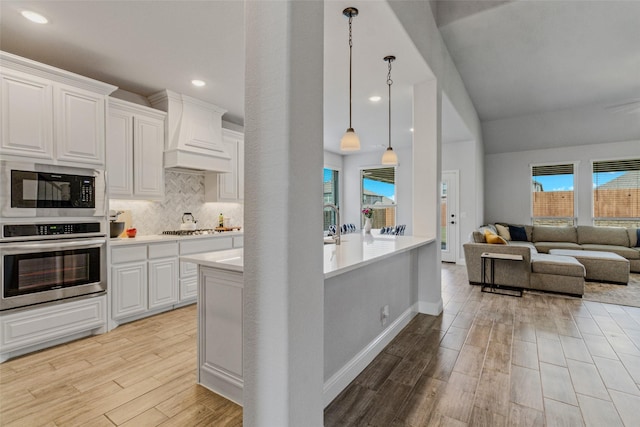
x=355, y=251
x=152, y=238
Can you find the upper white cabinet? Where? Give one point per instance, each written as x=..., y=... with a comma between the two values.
x=51, y=115
x=27, y=115
x=228, y=187
x=135, y=143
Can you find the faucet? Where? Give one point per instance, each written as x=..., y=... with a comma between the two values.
x=337, y=211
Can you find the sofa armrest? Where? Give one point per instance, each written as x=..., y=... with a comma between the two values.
x=507, y=272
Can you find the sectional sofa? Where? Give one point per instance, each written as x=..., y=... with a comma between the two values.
x=543, y=271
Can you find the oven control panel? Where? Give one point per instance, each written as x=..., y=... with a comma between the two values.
x=28, y=230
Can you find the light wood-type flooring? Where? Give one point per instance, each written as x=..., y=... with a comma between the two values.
x=487, y=360
x=493, y=360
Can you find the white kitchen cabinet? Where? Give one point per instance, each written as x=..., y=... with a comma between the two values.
x=163, y=282
x=220, y=325
x=27, y=115
x=135, y=145
x=24, y=331
x=51, y=114
x=228, y=187
x=128, y=289
x=80, y=130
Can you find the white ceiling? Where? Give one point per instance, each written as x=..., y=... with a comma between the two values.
x=525, y=57
x=146, y=46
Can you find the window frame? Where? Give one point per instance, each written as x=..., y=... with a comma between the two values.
x=340, y=185
x=394, y=205
x=594, y=219
x=573, y=220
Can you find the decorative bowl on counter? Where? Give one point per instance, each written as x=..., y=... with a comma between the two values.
x=115, y=228
x=131, y=232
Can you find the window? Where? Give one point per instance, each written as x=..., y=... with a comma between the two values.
x=331, y=191
x=553, y=200
x=616, y=193
x=378, y=191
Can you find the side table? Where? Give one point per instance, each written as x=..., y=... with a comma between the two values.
x=491, y=286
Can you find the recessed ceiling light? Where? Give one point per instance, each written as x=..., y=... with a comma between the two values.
x=198, y=83
x=375, y=98
x=34, y=17
x=411, y=130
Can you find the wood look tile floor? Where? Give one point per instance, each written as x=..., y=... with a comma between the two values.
x=488, y=360
x=493, y=360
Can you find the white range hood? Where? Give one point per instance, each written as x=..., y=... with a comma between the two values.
x=194, y=133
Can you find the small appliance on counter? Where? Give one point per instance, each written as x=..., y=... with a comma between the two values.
x=115, y=227
x=188, y=222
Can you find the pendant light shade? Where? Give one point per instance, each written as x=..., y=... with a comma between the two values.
x=389, y=157
x=350, y=140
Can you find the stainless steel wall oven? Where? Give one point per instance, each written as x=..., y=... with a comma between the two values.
x=44, y=262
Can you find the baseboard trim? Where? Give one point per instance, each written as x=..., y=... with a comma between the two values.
x=430, y=308
x=341, y=379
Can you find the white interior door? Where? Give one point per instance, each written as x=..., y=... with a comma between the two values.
x=449, y=216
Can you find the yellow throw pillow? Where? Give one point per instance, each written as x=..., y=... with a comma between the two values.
x=494, y=238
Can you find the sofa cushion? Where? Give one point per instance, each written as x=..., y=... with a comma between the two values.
x=617, y=236
x=524, y=245
x=544, y=247
x=494, y=239
x=634, y=237
x=556, y=264
x=478, y=237
x=546, y=233
x=503, y=231
x=518, y=234
x=623, y=251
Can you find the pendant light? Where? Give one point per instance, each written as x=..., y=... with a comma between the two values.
x=389, y=157
x=350, y=140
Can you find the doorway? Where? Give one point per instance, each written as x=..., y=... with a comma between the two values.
x=449, y=229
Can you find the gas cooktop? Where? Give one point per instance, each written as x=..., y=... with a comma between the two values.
x=192, y=232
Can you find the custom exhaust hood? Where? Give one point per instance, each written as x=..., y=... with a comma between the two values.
x=194, y=133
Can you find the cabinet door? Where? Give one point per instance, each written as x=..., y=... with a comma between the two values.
x=129, y=289
x=147, y=157
x=228, y=182
x=80, y=124
x=120, y=153
x=26, y=116
x=163, y=282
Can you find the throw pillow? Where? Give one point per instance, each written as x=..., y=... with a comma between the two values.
x=518, y=234
x=638, y=239
x=494, y=239
x=503, y=232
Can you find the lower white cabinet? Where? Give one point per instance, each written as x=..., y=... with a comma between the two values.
x=29, y=330
x=220, y=324
x=147, y=278
x=143, y=278
x=163, y=278
x=129, y=289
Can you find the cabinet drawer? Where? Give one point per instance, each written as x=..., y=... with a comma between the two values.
x=188, y=288
x=188, y=269
x=205, y=245
x=128, y=254
x=43, y=324
x=238, y=242
x=163, y=250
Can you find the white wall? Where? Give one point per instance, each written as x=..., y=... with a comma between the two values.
x=353, y=163
x=461, y=156
x=576, y=126
x=508, y=181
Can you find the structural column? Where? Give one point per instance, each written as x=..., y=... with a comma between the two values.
x=283, y=272
x=427, y=172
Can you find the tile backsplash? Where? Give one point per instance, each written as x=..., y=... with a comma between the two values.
x=184, y=192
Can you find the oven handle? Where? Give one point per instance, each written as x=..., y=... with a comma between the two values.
x=55, y=245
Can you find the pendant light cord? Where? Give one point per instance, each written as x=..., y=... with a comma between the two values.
x=389, y=83
x=350, y=53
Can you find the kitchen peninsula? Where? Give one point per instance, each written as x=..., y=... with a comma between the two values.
x=370, y=294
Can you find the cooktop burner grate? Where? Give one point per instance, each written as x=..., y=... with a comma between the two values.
x=191, y=232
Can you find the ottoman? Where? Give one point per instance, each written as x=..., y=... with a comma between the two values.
x=600, y=266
